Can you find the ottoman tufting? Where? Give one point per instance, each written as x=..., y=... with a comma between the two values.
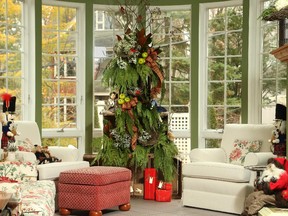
x=94, y=189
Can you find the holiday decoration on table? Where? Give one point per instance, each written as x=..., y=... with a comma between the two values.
x=9, y=129
x=136, y=76
x=278, y=139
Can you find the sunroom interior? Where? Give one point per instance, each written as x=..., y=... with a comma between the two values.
x=216, y=56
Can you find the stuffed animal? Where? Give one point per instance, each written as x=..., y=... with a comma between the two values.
x=278, y=139
x=271, y=188
x=271, y=174
x=9, y=130
x=7, y=120
x=44, y=156
x=278, y=183
x=110, y=104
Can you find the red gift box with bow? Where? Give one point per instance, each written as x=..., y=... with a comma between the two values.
x=150, y=180
x=163, y=195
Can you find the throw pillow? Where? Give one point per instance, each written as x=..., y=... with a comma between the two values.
x=25, y=145
x=241, y=149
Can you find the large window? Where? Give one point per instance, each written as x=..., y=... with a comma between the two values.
x=62, y=74
x=273, y=73
x=220, y=71
x=12, y=51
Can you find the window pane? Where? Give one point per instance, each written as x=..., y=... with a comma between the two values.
x=216, y=45
x=270, y=37
x=234, y=17
x=180, y=93
x=60, y=142
x=233, y=115
x=212, y=143
x=216, y=20
x=234, y=43
x=67, y=17
x=216, y=69
x=67, y=42
x=216, y=94
x=233, y=93
x=269, y=66
x=180, y=70
x=269, y=92
x=14, y=12
x=49, y=42
x=215, y=117
x=49, y=18
x=234, y=71
x=14, y=37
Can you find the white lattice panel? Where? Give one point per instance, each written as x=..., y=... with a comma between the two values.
x=184, y=146
x=181, y=127
x=180, y=121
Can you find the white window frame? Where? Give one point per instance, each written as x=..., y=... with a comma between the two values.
x=203, y=132
x=29, y=59
x=79, y=131
x=254, y=63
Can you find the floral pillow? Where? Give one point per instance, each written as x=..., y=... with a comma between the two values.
x=25, y=145
x=241, y=149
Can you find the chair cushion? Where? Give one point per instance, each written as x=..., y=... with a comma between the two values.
x=217, y=171
x=53, y=170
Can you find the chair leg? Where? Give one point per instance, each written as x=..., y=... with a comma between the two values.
x=64, y=211
x=95, y=213
x=125, y=207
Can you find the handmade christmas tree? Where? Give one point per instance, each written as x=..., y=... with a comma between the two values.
x=136, y=77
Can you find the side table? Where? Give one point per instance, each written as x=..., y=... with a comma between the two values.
x=4, y=200
x=258, y=169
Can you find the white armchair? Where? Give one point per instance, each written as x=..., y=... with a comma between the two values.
x=70, y=156
x=213, y=181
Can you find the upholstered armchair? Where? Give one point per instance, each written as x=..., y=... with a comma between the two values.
x=70, y=156
x=217, y=178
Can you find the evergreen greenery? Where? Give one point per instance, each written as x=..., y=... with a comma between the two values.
x=139, y=131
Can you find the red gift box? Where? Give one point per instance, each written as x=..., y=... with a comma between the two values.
x=150, y=179
x=163, y=195
x=167, y=186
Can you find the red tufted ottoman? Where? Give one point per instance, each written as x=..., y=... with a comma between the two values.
x=94, y=189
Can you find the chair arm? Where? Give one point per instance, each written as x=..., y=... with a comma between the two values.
x=257, y=158
x=208, y=154
x=26, y=156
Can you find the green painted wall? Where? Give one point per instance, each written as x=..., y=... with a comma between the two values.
x=194, y=62
x=38, y=66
